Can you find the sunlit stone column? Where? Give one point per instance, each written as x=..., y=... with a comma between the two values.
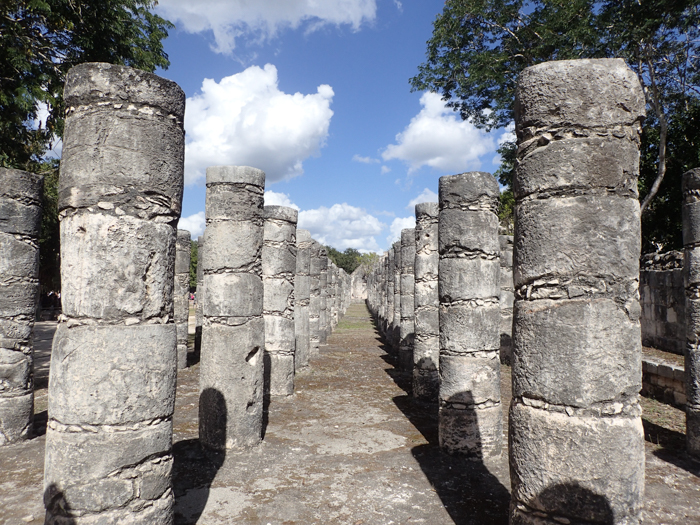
x=181, y=294
x=314, y=296
x=389, y=283
x=114, y=357
x=407, y=326
x=20, y=222
x=576, y=437
x=199, y=315
x=233, y=335
x=302, y=288
x=396, y=332
x=279, y=262
x=323, y=326
x=426, y=346
x=507, y=297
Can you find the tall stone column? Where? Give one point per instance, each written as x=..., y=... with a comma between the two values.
x=426, y=346
x=389, y=283
x=114, y=357
x=181, y=294
x=233, y=335
x=20, y=222
x=302, y=288
x=691, y=268
x=576, y=437
x=396, y=332
x=279, y=263
x=507, y=297
x=407, y=327
x=323, y=326
x=314, y=296
x=470, y=420
x=198, y=310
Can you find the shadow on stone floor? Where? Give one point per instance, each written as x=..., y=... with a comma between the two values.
x=41, y=419
x=672, y=445
x=55, y=501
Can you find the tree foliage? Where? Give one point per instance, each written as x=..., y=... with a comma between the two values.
x=194, y=261
x=479, y=47
x=350, y=259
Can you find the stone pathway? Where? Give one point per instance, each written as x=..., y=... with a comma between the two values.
x=350, y=447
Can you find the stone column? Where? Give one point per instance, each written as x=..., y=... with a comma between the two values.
x=323, y=327
x=198, y=310
x=506, y=297
x=691, y=269
x=396, y=332
x=407, y=326
x=470, y=420
x=426, y=346
x=314, y=296
x=233, y=335
x=114, y=357
x=20, y=222
x=389, y=283
x=301, y=299
x=181, y=294
x=279, y=263
x=576, y=437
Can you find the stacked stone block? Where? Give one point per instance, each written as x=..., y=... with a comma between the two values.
x=396, y=330
x=470, y=420
x=20, y=221
x=691, y=241
x=279, y=262
x=198, y=310
x=389, y=286
x=302, y=288
x=114, y=358
x=576, y=438
x=323, y=326
x=426, y=350
x=181, y=294
x=233, y=335
x=507, y=296
x=314, y=296
x=407, y=326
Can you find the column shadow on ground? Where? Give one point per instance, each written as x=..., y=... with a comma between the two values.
x=672, y=445
x=60, y=509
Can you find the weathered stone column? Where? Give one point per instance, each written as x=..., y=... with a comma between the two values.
x=302, y=288
x=233, y=335
x=396, y=332
x=470, y=420
x=279, y=263
x=314, y=296
x=389, y=283
x=20, y=221
x=407, y=326
x=691, y=269
x=426, y=349
x=199, y=310
x=114, y=357
x=507, y=297
x=323, y=326
x=576, y=437
x=181, y=294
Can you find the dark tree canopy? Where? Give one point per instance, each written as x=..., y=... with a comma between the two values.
x=350, y=259
x=479, y=47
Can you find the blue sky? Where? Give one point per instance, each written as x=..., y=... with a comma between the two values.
x=316, y=93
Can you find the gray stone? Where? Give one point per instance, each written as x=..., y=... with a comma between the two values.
x=407, y=326
x=113, y=365
x=181, y=294
x=314, y=296
x=199, y=296
x=302, y=290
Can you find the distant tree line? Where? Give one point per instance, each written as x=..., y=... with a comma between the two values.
x=350, y=259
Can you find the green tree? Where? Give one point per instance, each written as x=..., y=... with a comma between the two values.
x=348, y=260
x=479, y=47
x=194, y=261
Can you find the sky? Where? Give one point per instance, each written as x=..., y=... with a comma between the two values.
x=316, y=94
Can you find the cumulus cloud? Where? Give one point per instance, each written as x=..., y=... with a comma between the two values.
x=365, y=160
x=273, y=198
x=343, y=226
x=398, y=224
x=425, y=196
x=193, y=224
x=385, y=170
x=438, y=138
x=230, y=20
x=246, y=120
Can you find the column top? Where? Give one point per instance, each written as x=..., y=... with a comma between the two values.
x=18, y=184
x=281, y=213
x=427, y=209
x=454, y=190
x=235, y=175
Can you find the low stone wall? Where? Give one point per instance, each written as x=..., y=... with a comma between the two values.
x=662, y=296
x=663, y=381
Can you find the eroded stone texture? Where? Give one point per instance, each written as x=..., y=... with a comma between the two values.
x=233, y=335
x=507, y=296
x=181, y=294
x=396, y=331
x=114, y=358
x=20, y=221
x=199, y=295
x=302, y=289
x=407, y=326
x=468, y=287
x=323, y=326
x=691, y=269
x=314, y=295
x=389, y=287
x=576, y=439
x=426, y=349
x=279, y=262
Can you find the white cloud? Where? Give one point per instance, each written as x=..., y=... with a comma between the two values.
x=438, y=138
x=342, y=226
x=385, y=170
x=398, y=224
x=193, y=224
x=246, y=120
x=365, y=160
x=273, y=198
x=425, y=196
x=263, y=19
x=508, y=135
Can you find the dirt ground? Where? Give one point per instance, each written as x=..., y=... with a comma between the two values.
x=350, y=447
